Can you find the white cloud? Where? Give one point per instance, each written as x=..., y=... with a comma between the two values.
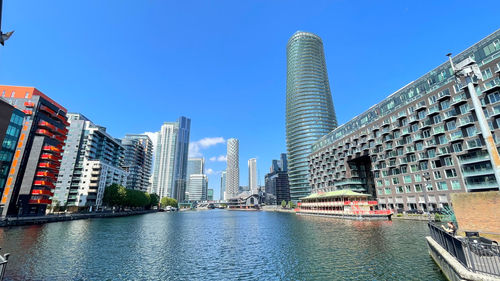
x=196, y=146
x=220, y=158
x=209, y=171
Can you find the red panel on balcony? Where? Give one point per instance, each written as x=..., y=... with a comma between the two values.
x=44, y=183
x=48, y=165
x=40, y=201
x=45, y=174
x=29, y=104
x=42, y=192
x=48, y=110
x=52, y=157
x=44, y=132
x=347, y=202
x=28, y=112
x=372, y=202
x=51, y=148
x=47, y=125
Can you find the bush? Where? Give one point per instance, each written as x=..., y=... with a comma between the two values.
x=399, y=215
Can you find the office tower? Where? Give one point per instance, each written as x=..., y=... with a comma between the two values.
x=233, y=170
x=277, y=181
x=252, y=176
x=169, y=175
x=36, y=160
x=11, y=124
x=309, y=106
x=181, y=157
x=138, y=161
x=283, y=162
x=92, y=160
x=195, y=180
x=223, y=185
x=197, y=187
x=195, y=166
x=420, y=144
x=210, y=194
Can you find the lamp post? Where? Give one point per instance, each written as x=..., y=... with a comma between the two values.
x=470, y=72
x=3, y=36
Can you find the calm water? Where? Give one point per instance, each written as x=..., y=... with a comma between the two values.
x=219, y=245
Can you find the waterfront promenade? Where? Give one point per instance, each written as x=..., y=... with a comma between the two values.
x=19, y=221
x=219, y=245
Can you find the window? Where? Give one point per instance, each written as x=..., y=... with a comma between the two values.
x=379, y=191
x=445, y=104
x=455, y=185
x=399, y=189
x=388, y=190
x=379, y=183
x=437, y=175
x=387, y=182
x=395, y=180
x=443, y=139
x=457, y=147
x=487, y=74
x=419, y=145
x=407, y=179
x=437, y=119
x=418, y=188
x=432, y=99
x=448, y=161
x=451, y=125
x=429, y=186
x=408, y=188
x=426, y=133
x=451, y=173
x=442, y=185
x=424, y=165
x=431, y=153
x=495, y=97
x=471, y=131
x=418, y=178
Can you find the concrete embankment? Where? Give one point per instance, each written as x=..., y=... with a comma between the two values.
x=412, y=217
x=277, y=209
x=15, y=221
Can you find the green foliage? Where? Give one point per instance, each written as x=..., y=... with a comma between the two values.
x=167, y=201
x=283, y=204
x=439, y=217
x=291, y=205
x=118, y=196
x=155, y=199
x=399, y=215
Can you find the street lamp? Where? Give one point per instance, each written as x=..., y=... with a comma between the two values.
x=470, y=72
x=3, y=36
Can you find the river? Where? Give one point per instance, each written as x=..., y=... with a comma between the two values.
x=219, y=245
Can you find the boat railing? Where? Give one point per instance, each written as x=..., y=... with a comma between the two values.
x=3, y=264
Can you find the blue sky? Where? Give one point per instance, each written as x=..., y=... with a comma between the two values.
x=131, y=65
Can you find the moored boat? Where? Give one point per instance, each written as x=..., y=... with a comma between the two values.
x=342, y=204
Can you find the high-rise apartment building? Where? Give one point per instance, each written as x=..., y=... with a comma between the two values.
x=252, y=176
x=36, y=160
x=420, y=144
x=309, y=106
x=233, y=170
x=223, y=181
x=138, y=161
x=171, y=153
x=210, y=194
x=11, y=124
x=92, y=160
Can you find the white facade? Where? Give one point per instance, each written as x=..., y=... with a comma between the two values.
x=223, y=185
x=233, y=170
x=96, y=176
x=197, y=187
x=252, y=176
x=165, y=159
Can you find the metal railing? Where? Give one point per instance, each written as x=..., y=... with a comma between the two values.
x=3, y=264
x=475, y=253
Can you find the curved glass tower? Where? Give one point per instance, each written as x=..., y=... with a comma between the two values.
x=309, y=106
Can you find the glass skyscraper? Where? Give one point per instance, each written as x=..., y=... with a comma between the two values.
x=309, y=106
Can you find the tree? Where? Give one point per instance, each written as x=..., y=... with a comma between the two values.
x=291, y=205
x=167, y=201
x=283, y=204
x=155, y=199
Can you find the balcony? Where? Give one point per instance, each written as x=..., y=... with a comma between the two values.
x=443, y=95
x=473, y=159
x=29, y=104
x=47, y=165
x=42, y=192
x=51, y=148
x=467, y=120
x=47, y=110
x=45, y=174
x=450, y=114
x=44, y=183
x=40, y=201
x=46, y=124
x=482, y=185
x=438, y=130
x=44, y=132
x=28, y=112
x=459, y=99
x=481, y=172
x=433, y=110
